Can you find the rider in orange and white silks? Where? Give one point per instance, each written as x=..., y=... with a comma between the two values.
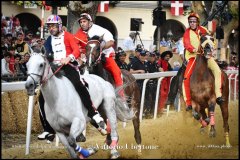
x=91, y=29
x=191, y=41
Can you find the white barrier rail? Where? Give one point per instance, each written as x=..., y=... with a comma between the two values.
x=14, y=86
x=146, y=77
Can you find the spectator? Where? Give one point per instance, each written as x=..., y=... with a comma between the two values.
x=121, y=61
x=29, y=38
x=24, y=62
x=38, y=46
x=176, y=66
x=137, y=55
x=3, y=47
x=151, y=86
x=18, y=68
x=16, y=27
x=165, y=84
x=131, y=56
x=5, y=65
x=128, y=44
x=11, y=50
x=233, y=62
x=139, y=66
x=8, y=40
x=21, y=46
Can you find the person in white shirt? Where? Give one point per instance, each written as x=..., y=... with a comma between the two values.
x=5, y=65
x=91, y=29
x=128, y=45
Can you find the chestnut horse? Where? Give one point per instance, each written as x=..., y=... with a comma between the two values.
x=94, y=65
x=202, y=88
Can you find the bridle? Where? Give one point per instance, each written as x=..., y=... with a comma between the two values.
x=90, y=53
x=44, y=79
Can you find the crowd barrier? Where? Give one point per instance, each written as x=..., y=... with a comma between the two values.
x=14, y=86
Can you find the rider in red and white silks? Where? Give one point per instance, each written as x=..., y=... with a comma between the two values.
x=91, y=30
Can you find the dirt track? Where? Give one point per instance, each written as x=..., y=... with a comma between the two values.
x=175, y=136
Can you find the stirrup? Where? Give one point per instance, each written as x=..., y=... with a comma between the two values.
x=43, y=135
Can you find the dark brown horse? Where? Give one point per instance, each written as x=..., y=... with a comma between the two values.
x=202, y=90
x=94, y=64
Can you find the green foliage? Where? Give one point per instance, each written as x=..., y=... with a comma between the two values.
x=234, y=11
x=21, y=3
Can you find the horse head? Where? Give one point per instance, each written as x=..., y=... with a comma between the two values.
x=93, y=52
x=36, y=67
x=207, y=45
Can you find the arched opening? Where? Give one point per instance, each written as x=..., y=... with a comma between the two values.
x=176, y=27
x=29, y=22
x=109, y=25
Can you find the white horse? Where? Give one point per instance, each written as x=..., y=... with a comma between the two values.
x=63, y=107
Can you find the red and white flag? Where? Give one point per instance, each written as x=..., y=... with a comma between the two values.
x=212, y=25
x=103, y=6
x=176, y=8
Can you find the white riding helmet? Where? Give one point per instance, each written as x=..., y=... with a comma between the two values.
x=85, y=16
x=55, y=19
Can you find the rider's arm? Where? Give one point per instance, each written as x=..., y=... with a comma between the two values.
x=75, y=53
x=107, y=44
x=187, y=43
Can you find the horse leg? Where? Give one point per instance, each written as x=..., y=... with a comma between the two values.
x=212, y=120
x=203, y=120
x=64, y=140
x=109, y=105
x=136, y=125
x=224, y=108
x=77, y=127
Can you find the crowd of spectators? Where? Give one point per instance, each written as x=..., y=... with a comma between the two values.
x=16, y=48
x=144, y=61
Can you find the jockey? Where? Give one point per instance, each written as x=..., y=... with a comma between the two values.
x=191, y=40
x=64, y=50
x=86, y=23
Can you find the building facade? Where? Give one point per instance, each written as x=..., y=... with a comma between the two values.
x=118, y=20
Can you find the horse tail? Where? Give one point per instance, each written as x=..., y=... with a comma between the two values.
x=123, y=112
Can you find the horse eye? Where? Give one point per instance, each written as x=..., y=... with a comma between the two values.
x=41, y=65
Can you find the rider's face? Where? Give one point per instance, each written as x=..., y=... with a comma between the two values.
x=84, y=24
x=53, y=28
x=193, y=22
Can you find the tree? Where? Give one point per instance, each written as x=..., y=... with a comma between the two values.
x=75, y=9
x=228, y=19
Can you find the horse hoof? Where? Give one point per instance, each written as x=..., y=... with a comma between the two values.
x=114, y=154
x=202, y=130
x=92, y=150
x=212, y=134
x=81, y=138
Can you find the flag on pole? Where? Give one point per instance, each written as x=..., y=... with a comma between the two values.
x=103, y=6
x=212, y=25
x=176, y=8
